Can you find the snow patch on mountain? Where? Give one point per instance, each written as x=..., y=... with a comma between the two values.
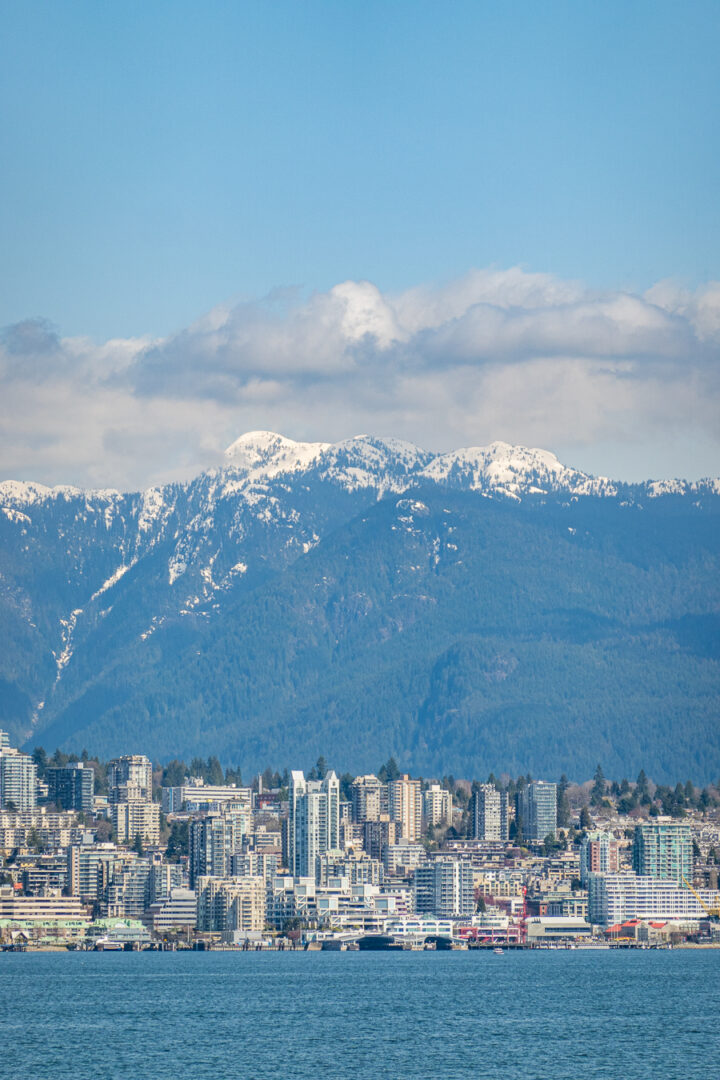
x=511, y=470
x=265, y=454
x=112, y=580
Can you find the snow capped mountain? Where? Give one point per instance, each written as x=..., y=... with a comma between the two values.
x=513, y=470
x=261, y=455
x=96, y=582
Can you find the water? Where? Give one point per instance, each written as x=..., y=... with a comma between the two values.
x=250, y=1016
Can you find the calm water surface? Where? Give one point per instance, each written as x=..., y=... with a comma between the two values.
x=536, y=1016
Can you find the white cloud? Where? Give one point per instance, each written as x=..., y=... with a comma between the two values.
x=496, y=354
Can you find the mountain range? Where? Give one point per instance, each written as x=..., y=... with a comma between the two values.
x=485, y=609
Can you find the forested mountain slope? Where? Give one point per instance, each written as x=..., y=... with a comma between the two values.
x=485, y=609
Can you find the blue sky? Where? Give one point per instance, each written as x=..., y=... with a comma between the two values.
x=164, y=158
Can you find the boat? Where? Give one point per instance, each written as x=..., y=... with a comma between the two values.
x=105, y=944
x=499, y=952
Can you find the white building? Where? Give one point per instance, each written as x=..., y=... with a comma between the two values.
x=405, y=806
x=174, y=912
x=367, y=798
x=18, y=778
x=214, y=840
x=444, y=888
x=197, y=795
x=404, y=854
x=615, y=898
x=133, y=819
x=314, y=821
x=489, y=813
x=130, y=779
x=230, y=904
x=437, y=806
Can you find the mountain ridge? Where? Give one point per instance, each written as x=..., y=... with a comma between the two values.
x=94, y=584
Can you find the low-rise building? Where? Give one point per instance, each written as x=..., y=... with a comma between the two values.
x=615, y=898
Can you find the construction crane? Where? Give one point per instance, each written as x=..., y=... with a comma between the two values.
x=711, y=912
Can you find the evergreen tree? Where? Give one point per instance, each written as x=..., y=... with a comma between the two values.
x=41, y=759
x=563, y=803
x=598, y=789
x=213, y=772
x=174, y=773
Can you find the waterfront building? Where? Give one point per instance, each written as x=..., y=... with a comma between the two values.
x=444, y=888
x=53, y=906
x=556, y=928
x=51, y=918
x=313, y=822
x=405, y=806
x=127, y=893
x=437, y=807
x=615, y=898
x=537, y=810
x=489, y=813
x=89, y=869
x=663, y=851
x=419, y=926
x=236, y=903
x=599, y=854
x=176, y=911
x=71, y=787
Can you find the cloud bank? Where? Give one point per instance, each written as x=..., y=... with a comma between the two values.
x=619, y=383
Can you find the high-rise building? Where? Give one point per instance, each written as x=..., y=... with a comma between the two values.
x=133, y=819
x=18, y=778
x=130, y=779
x=90, y=868
x=489, y=813
x=233, y=904
x=405, y=806
x=378, y=834
x=663, y=851
x=437, y=806
x=599, y=854
x=314, y=821
x=71, y=787
x=366, y=798
x=444, y=888
x=213, y=841
x=537, y=810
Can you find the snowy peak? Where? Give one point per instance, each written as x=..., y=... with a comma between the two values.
x=513, y=470
x=268, y=454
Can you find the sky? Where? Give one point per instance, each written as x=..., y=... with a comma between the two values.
x=451, y=223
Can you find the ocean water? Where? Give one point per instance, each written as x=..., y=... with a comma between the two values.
x=557, y=1015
